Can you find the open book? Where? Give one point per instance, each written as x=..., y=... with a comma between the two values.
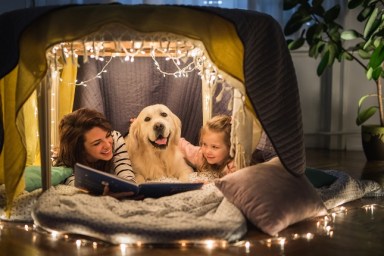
x=93, y=181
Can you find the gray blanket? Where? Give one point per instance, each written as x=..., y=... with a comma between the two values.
x=194, y=215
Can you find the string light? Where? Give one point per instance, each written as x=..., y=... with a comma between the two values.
x=323, y=227
x=98, y=75
x=187, y=56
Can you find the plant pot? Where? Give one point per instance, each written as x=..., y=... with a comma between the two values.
x=373, y=142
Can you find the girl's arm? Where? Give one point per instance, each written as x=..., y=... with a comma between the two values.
x=192, y=154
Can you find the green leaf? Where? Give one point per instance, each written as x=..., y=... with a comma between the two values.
x=295, y=23
x=377, y=72
x=369, y=73
x=332, y=13
x=312, y=52
x=377, y=42
x=316, y=49
x=316, y=3
x=367, y=44
x=314, y=33
x=365, y=115
x=349, y=34
x=377, y=57
x=332, y=54
x=289, y=4
x=323, y=64
x=346, y=56
x=368, y=26
x=354, y=3
x=364, y=54
x=380, y=31
x=362, y=99
x=318, y=10
x=296, y=44
x=364, y=14
x=375, y=29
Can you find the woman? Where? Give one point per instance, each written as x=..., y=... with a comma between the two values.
x=86, y=137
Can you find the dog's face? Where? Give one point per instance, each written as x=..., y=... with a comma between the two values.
x=156, y=125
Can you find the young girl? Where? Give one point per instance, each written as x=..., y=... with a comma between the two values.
x=86, y=137
x=213, y=152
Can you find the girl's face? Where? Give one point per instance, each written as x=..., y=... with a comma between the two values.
x=214, y=148
x=98, y=145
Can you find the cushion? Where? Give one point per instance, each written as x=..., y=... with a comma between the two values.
x=319, y=178
x=270, y=197
x=32, y=176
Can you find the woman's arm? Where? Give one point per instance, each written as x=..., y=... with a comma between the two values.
x=121, y=162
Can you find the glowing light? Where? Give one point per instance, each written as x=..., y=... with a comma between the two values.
x=247, y=246
x=54, y=234
x=123, y=248
x=78, y=243
x=209, y=244
x=309, y=236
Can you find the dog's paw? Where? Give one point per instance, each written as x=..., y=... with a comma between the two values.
x=184, y=175
x=139, y=179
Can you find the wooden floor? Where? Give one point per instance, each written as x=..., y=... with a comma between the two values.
x=357, y=229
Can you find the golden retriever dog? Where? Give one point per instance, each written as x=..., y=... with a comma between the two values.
x=152, y=144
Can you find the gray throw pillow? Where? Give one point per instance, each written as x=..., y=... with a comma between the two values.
x=270, y=197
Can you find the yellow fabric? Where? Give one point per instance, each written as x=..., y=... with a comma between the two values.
x=218, y=35
x=31, y=127
x=13, y=155
x=63, y=94
x=66, y=89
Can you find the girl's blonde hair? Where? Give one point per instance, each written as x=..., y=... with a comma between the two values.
x=217, y=124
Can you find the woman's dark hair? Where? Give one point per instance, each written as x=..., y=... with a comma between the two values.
x=72, y=128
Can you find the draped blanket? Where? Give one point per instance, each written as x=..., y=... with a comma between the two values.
x=194, y=215
x=262, y=62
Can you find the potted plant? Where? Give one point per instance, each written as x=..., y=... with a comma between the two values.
x=331, y=42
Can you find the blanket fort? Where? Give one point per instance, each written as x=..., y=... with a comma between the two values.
x=238, y=43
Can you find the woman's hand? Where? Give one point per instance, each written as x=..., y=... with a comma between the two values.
x=120, y=195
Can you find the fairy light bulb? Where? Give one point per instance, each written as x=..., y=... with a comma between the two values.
x=247, y=246
x=123, y=248
x=209, y=244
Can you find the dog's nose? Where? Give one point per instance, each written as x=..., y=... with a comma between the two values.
x=158, y=127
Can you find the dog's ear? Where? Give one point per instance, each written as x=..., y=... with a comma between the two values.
x=177, y=123
x=133, y=137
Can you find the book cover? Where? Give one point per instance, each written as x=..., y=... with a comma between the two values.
x=93, y=181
